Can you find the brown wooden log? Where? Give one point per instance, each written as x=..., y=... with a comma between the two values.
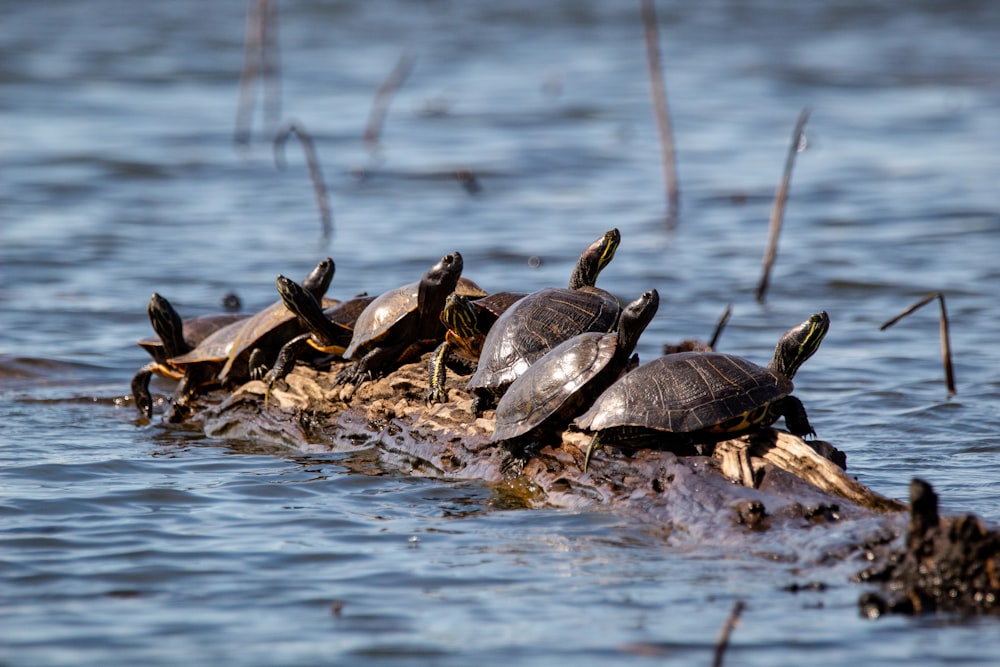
x=771, y=494
x=784, y=479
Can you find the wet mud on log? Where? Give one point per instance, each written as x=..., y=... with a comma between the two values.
x=745, y=487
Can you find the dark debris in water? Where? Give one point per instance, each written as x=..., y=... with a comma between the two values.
x=949, y=565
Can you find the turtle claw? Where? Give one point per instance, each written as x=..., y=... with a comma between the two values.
x=269, y=381
x=363, y=377
x=352, y=375
x=257, y=366
x=437, y=395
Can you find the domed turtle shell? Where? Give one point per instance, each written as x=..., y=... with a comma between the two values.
x=391, y=308
x=686, y=392
x=711, y=394
x=572, y=374
x=215, y=348
x=543, y=319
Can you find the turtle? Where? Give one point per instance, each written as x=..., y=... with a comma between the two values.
x=401, y=323
x=243, y=346
x=570, y=376
x=467, y=321
x=704, y=397
x=174, y=337
x=257, y=343
x=328, y=331
x=542, y=320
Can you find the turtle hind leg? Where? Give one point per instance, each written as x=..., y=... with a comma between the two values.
x=285, y=362
x=437, y=372
x=795, y=416
x=441, y=361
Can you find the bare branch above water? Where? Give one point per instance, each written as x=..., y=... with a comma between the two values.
x=383, y=97
x=949, y=371
x=659, y=93
x=315, y=173
x=778, y=210
x=261, y=65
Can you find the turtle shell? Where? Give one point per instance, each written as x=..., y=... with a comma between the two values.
x=688, y=392
x=380, y=316
x=196, y=330
x=548, y=386
x=468, y=287
x=214, y=348
x=387, y=310
x=235, y=340
x=537, y=323
x=495, y=305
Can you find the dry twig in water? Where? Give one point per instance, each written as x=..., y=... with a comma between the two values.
x=723, y=641
x=662, y=112
x=949, y=372
x=325, y=212
x=260, y=61
x=778, y=210
x=383, y=97
x=723, y=321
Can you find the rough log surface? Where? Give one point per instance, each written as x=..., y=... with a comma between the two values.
x=745, y=487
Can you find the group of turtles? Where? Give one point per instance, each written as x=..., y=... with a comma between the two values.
x=543, y=361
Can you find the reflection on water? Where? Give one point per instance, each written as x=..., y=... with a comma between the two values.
x=129, y=543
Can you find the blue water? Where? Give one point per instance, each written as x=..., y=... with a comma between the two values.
x=130, y=543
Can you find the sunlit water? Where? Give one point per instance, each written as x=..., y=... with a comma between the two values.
x=125, y=543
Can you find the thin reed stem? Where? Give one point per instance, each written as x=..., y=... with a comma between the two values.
x=315, y=173
x=778, y=210
x=663, y=125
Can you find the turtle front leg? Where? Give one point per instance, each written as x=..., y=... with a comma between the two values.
x=795, y=416
x=371, y=365
x=140, y=390
x=285, y=362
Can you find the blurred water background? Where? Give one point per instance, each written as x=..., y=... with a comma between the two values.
x=128, y=543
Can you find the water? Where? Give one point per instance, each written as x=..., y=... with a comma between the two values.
x=128, y=543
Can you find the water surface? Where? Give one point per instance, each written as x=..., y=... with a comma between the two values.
x=126, y=542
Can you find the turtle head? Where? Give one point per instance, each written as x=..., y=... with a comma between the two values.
x=594, y=259
x=437, y=284
x=459, y=315
x=168, y=326
x=301, y=302
x=318, y=281
x=798, y=344
x=634, y=319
